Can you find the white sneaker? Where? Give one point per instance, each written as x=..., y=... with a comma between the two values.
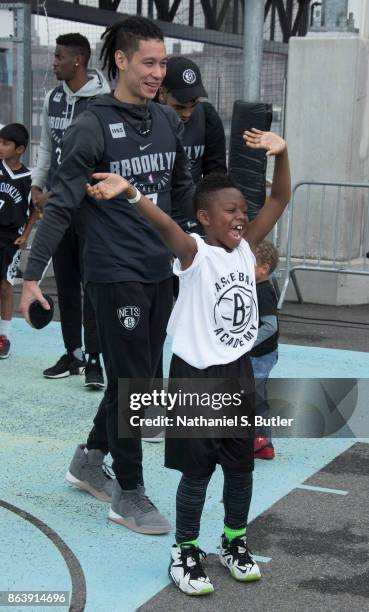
x=238, y=558
x=186, y=571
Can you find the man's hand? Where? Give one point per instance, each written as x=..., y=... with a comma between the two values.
x=110, y=186
x=36, y=192
x=42, y=200
x=270, y=142
x=30, y=293
x=21, y=242
x=39, y=198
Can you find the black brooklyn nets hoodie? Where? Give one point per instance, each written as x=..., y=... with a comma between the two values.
x=140, y=142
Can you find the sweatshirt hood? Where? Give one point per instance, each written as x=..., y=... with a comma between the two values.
x=137, y=112
x=95, y=86
x=110, y=101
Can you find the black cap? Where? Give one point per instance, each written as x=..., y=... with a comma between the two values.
x=183, y=80
x=38, y=315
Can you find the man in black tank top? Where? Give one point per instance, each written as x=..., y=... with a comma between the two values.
x=62, y=105
x=203, y=137
x=127, y=266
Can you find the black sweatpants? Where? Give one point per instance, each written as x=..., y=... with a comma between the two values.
x=68, y=269
x=131, y=352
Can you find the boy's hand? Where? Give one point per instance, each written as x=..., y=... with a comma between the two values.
x=21, y=242
x=269, y=141
x=110, y=186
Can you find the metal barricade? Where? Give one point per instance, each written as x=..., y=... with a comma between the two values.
x=327, y=230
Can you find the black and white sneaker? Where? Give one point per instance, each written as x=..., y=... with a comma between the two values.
x=67, y=365
x=186, y=571
x=238, y=558
x=94, y=377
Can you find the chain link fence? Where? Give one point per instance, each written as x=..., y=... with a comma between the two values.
x=221, y=66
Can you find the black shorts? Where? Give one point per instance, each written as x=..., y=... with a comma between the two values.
x=198, y=457
x=10, y=255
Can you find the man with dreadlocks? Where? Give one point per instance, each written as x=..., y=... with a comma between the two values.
x=127, y=266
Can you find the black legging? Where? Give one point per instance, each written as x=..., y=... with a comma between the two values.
x=191, y=494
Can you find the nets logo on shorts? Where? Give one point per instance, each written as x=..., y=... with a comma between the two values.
x=235, y=309
x=129, y=316
x=189, y=76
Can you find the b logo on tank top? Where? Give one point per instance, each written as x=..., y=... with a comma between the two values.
x=235, y=310
x=129, y=316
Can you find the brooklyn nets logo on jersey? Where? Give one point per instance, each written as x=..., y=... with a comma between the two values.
x=15, y=187
x=235, y=310
x=129, y=316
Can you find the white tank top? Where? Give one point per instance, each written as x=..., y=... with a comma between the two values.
x=215, y=318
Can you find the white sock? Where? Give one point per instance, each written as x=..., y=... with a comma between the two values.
x=5, y=328
x=78, y=354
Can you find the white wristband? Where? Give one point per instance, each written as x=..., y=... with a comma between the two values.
x=136, y=198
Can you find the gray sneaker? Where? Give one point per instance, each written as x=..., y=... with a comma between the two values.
x=134, y=510
x=88, y=471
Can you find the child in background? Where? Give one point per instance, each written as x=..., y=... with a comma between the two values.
x=264, y=354
x=16, y=219
x=213, y=326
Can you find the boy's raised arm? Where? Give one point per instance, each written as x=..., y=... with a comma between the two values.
x=280, y=194
x=177, y=241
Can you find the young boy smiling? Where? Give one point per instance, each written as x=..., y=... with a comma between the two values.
x=205, y=323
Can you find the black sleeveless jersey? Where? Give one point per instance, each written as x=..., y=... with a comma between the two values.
x=194, y=145
x=15, y=191
x=60, y=115
x=120, y=243
x=194, y=141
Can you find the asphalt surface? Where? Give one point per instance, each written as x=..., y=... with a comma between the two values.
x=341, y=327
x=317, y=542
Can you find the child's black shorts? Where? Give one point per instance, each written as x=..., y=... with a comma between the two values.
x=198, y=457
x=10, y=255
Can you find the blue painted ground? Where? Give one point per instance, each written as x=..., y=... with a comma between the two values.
x=41, y=422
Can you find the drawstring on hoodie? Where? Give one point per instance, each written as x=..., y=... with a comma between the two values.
x=70, y=105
